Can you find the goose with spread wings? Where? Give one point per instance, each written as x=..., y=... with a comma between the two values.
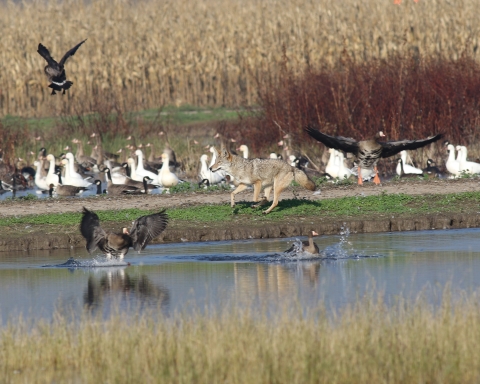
x=55, y=71
x=368, y=152
x=116, y=245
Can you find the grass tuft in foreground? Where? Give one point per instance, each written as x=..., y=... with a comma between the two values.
x=369, y=342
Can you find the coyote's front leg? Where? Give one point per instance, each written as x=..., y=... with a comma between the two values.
x=265, y=199
x=239, y=189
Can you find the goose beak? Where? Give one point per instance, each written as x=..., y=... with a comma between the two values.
x=314, y=233
x=125, y=231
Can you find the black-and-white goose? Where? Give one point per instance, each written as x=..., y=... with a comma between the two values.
x=401, y=170
x=368, y=152
x=64, y=190
x=55, y=71
x=432, y=170
x=121, y=189
x=116, y=245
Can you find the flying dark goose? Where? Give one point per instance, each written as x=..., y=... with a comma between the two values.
x=55, y=71
x=116, y=245
x=368, y=152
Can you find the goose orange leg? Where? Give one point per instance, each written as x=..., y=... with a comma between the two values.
x=360, y=180
x=376, y=179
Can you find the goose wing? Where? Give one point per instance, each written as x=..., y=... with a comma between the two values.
x=45, y=53
x=346, y=144
x=146, y=228
x=91, y=230
x=71, y=52
x=391, y=148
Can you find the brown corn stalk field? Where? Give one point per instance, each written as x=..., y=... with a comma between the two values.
x=209, y=52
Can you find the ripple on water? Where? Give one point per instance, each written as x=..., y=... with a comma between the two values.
x=99, y=262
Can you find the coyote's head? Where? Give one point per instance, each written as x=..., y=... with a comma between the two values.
x=223, y=160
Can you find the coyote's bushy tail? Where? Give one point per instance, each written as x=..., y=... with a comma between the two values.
x=301, y=178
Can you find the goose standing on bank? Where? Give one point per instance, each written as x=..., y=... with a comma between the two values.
x=40, y=182
x=465, y=166
x=431, y=169
x=368, y=152
x=207, y=174
x=452, y=164
x=55, y=71
x=343, y=172
x=309, y=245
x=407, y=169
x=402, y=173
x=165, y=177
x=121, y=189
x=52, y=177
x=72, y=177
x=140, y=170
x=65, y=190
x=116, y=245
x=332, y=166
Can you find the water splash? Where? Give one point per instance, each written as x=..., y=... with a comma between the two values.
x=344, y=249
x=96, y=262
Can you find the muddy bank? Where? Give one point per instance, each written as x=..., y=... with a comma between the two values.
x=40, y=239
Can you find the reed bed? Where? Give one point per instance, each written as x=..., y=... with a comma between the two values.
x=209, y=52
x=369, y=342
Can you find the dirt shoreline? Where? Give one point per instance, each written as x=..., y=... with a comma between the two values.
x=39, y=237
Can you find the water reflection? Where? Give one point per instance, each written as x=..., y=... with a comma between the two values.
x=274, y=281
x=116, y=285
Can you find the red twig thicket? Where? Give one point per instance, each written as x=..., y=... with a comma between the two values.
x=407, y=98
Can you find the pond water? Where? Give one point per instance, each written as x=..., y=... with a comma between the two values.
x=187, y=276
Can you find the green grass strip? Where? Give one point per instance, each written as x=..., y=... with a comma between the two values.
x=345, y=206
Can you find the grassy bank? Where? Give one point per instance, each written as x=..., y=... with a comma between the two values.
x=365, y=343
x=384, y=204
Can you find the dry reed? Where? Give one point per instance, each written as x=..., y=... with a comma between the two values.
x=208, y=52
x=366, y=343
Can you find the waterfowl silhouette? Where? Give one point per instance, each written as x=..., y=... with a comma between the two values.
x=116, y=245
x=55, y=71
x=368, y=152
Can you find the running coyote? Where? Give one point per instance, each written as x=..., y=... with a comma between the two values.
x=260, y=173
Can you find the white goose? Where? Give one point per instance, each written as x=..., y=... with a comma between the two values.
x=221, y=171
x=452, y=164
x=51, y=178
x=343, y=172
x=165, y=177
x=332, y=166
x=72, y=177
x=407, y=169
x=73, y=181
x=40, y=182
x=133, y=170
x=244, y=150
x=206, y=173
x=469, y=167
x=140, y=171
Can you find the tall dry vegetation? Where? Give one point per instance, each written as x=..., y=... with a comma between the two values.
x=367, y=343
x=208, y=52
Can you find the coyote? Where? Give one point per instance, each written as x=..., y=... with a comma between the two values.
x=260, y=173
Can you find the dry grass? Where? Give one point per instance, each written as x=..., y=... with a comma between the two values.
x=208, y=52
x=366, y=343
